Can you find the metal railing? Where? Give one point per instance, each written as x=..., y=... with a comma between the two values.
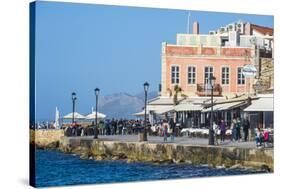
x=205, y=89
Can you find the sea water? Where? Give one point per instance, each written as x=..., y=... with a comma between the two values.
x=54, y=168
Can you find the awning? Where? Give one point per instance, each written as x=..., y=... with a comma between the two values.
x=260, y=105
x=163, y=110
x=188, y=107
x=139, y=113
x=225, y=106
x=76, y=116
x=93, y=115
x=156, y=109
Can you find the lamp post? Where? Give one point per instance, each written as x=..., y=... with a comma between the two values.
x=144, y=137
x=97, y=92
x=74, y=98
x=212, y=80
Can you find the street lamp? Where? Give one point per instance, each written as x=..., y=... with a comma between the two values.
x=74, y=98
x=145, y=87
x=97, y=92
x=212, y=80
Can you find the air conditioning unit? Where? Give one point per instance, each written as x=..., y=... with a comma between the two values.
x=223, y=29
x=240, y=27
x=231, y=27
x=212, y=32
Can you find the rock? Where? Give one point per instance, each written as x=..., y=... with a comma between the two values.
x=265, y=168
x=236, y=166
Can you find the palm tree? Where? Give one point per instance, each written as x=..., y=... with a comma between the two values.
x=177, y=90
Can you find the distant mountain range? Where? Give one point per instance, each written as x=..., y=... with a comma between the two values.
x=123, y=105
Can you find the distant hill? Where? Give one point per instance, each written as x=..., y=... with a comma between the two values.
x=150, y=95
x=123, y=105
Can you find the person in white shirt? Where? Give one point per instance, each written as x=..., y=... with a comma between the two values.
x=215, y=129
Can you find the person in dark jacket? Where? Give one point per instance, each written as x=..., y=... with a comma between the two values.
x=238, y=128
x=246, y=126
x=222, y=127
x=172, y=128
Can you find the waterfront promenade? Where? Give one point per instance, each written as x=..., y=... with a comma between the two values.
x=184, y=140
x=183, y=150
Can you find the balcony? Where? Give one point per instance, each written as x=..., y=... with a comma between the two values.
x=205, y=90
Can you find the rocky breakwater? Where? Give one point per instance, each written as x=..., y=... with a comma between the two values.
x=215, y=156
x=46, y=138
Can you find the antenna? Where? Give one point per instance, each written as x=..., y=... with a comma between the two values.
x=188, y=22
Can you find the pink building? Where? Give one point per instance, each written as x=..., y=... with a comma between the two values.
x=196, y=57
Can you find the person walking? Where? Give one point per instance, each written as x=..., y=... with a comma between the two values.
x=222, y=129
x=114, y=127
x=172, y=129
x=216, y=129
x=246, y=126
x=165, y=130
x=101, y=128
x=107, y=127
x=238, y=129
x=233, y=130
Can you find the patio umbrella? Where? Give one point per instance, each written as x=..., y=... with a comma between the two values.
x=93, y=115
x=76, y=116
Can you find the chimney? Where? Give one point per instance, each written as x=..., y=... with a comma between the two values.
x=195, y=27
x=248, y=29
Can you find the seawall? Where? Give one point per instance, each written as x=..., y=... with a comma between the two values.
x=44, y=138
x=215, y=156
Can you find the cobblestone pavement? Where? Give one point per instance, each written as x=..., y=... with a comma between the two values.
x=177, y=140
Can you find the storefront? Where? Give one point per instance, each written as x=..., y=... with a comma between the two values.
x=224, y=111
x=260, y=112
x=189, y=114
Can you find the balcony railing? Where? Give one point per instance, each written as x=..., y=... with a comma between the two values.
x=205, y=90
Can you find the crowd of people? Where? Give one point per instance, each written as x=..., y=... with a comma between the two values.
x=262, y=138
x=125, y=127
x=235, y=127
x=166, y=128
x=107, y=127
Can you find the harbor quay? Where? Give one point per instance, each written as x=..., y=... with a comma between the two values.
x=182, y=150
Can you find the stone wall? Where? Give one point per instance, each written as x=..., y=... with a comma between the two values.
x=215, y=156
x=169, y=153
x=266, y=75
x=46, y=138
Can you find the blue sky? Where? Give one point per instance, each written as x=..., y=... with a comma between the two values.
x=83, y=46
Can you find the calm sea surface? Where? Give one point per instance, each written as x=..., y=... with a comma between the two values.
x=54, y=168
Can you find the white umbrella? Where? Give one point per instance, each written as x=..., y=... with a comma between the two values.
x=76, y=116
x=93, y=115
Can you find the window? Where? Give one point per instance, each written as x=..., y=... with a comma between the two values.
x=209, y=71
x=191, y=74
x=225, y=75
x=240, y=77
x=175, y=74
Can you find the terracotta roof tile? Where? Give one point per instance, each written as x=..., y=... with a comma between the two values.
x=262, y=29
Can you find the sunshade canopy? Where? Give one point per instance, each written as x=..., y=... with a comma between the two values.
x=76, y=116
x=225, y=106
x=93, y=115
x=260, y=105
x=139, y=113
x=188, y=107
x=159, y=110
